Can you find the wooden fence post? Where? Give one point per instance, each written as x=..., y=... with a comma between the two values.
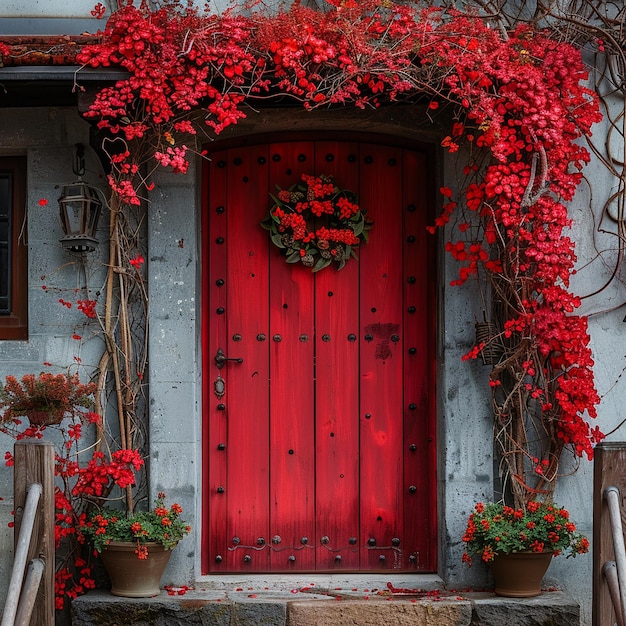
x=34, y=463
x=609, y=470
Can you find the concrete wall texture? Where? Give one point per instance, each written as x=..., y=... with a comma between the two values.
x=465, y=460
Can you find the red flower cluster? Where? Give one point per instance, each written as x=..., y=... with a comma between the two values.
x=79, y=485
x=530, y=124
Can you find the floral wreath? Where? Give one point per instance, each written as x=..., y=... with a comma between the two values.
x=316, y=223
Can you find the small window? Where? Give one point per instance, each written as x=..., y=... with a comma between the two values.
x=13, y=258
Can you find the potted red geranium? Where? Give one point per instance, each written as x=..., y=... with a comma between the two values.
x=518, y=544
x=135, y=548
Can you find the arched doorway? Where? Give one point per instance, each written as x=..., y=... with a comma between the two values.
x=319, y=450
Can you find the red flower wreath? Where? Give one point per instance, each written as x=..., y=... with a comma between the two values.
x=316, y=223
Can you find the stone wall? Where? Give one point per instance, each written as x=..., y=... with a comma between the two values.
x=465, y=461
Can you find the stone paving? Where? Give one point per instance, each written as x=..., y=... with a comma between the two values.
x=318, y=606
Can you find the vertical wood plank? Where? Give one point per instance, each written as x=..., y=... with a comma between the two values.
x=247, y=400
x=215, y=338
x=415, y=549
x=34, y=463
x=291, y=339
x=381, y=305
x=608, y=470
x=337, y=386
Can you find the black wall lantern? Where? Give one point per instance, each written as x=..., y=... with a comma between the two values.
x=79, y=207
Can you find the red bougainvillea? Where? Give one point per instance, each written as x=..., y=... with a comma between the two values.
x=517, y=105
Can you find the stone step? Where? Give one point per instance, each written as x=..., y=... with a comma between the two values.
x=324, y=607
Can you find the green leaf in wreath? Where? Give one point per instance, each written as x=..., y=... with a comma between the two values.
x=277, y=240
x=321, y=264
x=294, y=257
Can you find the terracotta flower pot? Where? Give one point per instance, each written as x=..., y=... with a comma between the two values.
x=519, y=575
x=132, y=577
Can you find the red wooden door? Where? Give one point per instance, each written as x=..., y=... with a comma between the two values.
x=319, y=432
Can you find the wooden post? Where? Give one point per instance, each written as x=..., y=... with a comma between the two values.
x=609, y=471
x=34, y=463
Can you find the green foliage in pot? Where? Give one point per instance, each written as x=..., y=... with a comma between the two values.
x=160, y=524
x=495, y=528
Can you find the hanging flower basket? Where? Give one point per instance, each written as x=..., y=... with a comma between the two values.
x=316, y=223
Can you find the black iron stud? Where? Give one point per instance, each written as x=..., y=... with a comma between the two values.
x=221, y=163
x=352, y=541
x=237, y=161
x=304, y=338
x=330, y=157
x=245, y=179
x=220, y=489
x=351, y=158
x=325, y=540
x=236, y=337
x=371, y=542
x=292, y=558
x=412, y=447
x=373, y=309
x=338, y=557
x=276, y=539
x=412, y=406
x=330, y=294
x=395, y=542
x=369, y=337
x=289, y=172
x=368, y=160
x=220, y=310
x=276, y=157
x=260, y=337
x=219, y=209
x=351, y=337
x=411, y=238
x=277, y=337
x=260, y=541
x=219, y=282
x=411, y=309
x=221, y=446
x=236, y=540
x=221, y=407
x=412, y=350
x=247, y=559
x=381, y=558
x=326, y=337
x=285, y=306
x=392, y=162
x=412, y=489
x=218, y=558
x=413, y=558
x=304, y=541
x=302, y=158
x=411, y=280
x=395, y=338
x=368, y=416
x=261, y=160
x=290, y=451
x=411, y=208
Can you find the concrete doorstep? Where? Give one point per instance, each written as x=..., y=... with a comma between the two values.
x=314, y=606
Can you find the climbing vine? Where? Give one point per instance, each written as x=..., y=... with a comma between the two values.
x=518, y=105
x=514, y=96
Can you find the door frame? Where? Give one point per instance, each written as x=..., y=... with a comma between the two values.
x=432, y=304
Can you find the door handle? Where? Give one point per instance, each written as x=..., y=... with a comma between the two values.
x=221, y=358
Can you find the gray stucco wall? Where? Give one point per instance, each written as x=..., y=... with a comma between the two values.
x=465, y=461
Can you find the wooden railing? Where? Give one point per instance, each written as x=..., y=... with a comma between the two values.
x=32, y=601
x=609, y=552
